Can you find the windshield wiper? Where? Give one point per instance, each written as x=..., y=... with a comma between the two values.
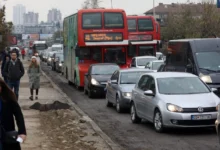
x=208, y=69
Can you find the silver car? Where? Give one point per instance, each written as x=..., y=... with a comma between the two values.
x=119, y=87
x=171, y=99
x=154, y=65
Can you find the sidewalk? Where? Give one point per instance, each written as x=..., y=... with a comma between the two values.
x=56, y=129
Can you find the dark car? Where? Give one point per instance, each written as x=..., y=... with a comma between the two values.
x=96, y=79
x=59, y=64
x=55, y=57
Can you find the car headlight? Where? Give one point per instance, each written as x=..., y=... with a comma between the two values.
x=126, y=94
x=174, y=108
x=60, y=64
x=49, y=59
x=94, y=82
x=206, y=78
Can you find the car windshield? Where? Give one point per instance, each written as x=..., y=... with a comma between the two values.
x=144, y=61
x=132, y=25
x=104, y=69
x=181, y=85
x=208, y=60
x=131, y=77
x=156, y=65
x=41, y=47
x=145, y=25
x=59, y=54
x=56, y=48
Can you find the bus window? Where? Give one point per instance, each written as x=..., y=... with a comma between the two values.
x=84, y=54
x=114, y=20
x=132, y=50
x=92, y=20
x=145, y=25
x=132, y=26
x=115, y=55
x=146, y=51
x=97, y=54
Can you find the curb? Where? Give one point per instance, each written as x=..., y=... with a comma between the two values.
x=96, y=128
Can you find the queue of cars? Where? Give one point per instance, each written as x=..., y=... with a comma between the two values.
x=166, y=99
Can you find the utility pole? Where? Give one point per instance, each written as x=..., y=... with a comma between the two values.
x=154, y=9
x=111, y=4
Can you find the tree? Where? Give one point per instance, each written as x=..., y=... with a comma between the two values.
x=5, y=29
x=90, y=4
x=192, y=21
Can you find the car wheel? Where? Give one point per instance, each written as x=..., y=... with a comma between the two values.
x=134, y=116
x=118, y=106
x=90, y=94
x=158, y=121
x=85, y=91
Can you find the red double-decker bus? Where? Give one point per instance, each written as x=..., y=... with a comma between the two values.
x=144, y=36
x=94, y=36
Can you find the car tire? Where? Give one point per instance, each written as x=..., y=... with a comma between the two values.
x=118, y=106
x=158, y=122
x=90, y=94
x=134, y=116
x=69, y=82
x=85, y=91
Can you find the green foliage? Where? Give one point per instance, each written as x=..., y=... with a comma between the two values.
x=5, y=29
x=188, y=23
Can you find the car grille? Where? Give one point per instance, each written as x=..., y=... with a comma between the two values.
x=195, y=110
x=195, y=122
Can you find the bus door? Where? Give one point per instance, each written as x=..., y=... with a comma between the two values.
x=146, y=51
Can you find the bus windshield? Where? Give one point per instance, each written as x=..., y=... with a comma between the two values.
x=41, y=47
x=115, y=55
x=113, y=20
x=145, y=25
x=132, y=26
x=92, y=20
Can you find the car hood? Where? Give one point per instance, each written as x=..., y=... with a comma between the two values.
x=215, y=77
x=127, y=87
x=193, y=100
x=102, y=78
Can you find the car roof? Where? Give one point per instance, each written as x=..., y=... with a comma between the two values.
x=145, y=57
x=134, y=69
x=170, y=74
x=101, y=64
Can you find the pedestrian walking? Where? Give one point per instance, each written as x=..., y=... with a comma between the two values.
x=4, y=62
x=23, y=53
x=14, y=70
x=9, y=108
x=37, y=58
x=34, y=77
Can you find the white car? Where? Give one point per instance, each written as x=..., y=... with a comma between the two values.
x=154, y=65
x=141, y=61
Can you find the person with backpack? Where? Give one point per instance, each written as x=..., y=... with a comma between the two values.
x=14, y=70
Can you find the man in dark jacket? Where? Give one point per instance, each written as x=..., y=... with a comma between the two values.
x=14, y=70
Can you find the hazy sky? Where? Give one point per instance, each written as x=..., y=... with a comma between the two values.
x=68, y=7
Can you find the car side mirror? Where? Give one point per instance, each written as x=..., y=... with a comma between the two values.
x=149, y=93
x=214, y=89
x=114, y=82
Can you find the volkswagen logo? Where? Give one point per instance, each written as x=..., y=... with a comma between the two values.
x=200, y=109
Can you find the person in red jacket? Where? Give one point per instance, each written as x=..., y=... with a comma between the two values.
x=23, y=53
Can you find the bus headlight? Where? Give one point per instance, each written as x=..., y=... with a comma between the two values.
x=206, y=78
x=94, y=82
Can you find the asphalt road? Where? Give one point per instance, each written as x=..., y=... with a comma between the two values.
x=135, y=136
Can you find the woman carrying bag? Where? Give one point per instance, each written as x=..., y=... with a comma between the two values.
x=34, y=77
x=9, y=108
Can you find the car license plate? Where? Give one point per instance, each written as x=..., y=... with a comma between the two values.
x=201, y=117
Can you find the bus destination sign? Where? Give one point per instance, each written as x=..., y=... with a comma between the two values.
x=140, y=37
x=97, y=37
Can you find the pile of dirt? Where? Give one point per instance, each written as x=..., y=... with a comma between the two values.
x=67, y=131
x=46, y=107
